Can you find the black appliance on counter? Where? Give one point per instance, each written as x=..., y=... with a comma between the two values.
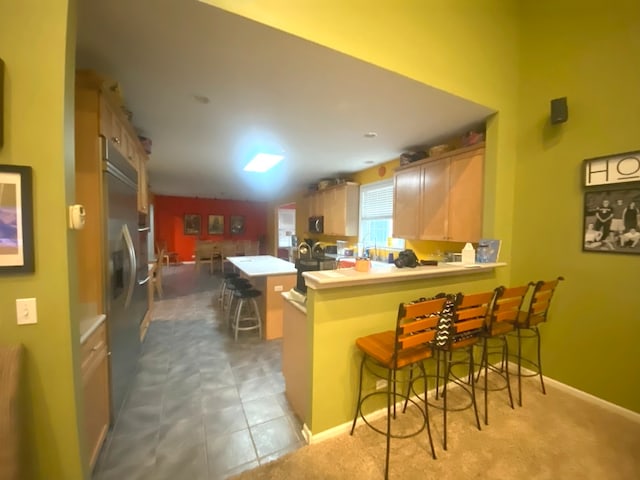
x=312, y=265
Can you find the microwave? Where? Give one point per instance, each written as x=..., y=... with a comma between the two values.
x=316, y=224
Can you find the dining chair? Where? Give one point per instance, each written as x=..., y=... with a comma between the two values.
x=156, y=276
x=204, y=255
x=216, y=256
x=526, y=327
x=500, y=320
x=396, y=356
x=167, y=256
x=228, y=250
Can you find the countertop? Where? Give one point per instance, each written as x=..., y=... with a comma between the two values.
x=89, y=324
x=263, y=265
x=296, y=299
x=386, y=272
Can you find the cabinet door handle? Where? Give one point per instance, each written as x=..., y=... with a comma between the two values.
x=116, y=140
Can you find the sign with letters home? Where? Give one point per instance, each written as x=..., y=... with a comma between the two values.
x=612, y=169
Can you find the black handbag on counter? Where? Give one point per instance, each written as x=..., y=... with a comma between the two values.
x=406, y=258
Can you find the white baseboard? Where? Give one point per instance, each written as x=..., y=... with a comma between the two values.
x=346, y=427
x=612, y=407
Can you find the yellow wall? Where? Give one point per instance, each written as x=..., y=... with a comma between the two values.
x=514, y=57
x=591, y=55
x=440, y=44
x=38, y=56
x=466, y=47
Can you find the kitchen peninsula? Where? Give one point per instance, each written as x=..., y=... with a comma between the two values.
x=271, y=276
x=321, y=362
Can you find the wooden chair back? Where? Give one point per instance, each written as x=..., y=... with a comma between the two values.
x=505, y=309
x=539, y=303
x=416, y=328
x=468, y=322
x=250, y=247
x=228, y=249
x=157, y=274
x=204, y=254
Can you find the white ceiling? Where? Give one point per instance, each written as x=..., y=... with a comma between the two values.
x=266, y=89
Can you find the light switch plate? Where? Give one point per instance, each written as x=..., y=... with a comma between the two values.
x=26, y=311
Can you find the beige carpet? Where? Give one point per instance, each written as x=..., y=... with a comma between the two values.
x=555, y=436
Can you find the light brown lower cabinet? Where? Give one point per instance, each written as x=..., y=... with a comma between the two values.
x=95, y=380
x=296, y=360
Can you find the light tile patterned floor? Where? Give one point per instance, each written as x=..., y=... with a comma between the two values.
x=201, y=405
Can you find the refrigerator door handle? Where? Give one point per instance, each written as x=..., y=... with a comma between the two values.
x=132, y=260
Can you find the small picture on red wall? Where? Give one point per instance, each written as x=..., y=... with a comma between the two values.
x=192, y=224
x=216, y=225
x=237, y=225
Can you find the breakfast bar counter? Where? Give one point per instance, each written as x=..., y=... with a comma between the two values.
x=343, y=305
x=388, y=272
x=270, y=275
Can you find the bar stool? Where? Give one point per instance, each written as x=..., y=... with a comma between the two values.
x=453, y=345
x=223, y=288
x=251, y=320
x=235, y=284
x=500, y=322
x=386, y=354
x=527, y=328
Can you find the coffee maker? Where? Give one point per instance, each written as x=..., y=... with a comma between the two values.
x=310, y=259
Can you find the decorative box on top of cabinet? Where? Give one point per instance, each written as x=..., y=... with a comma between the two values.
x=441, y=198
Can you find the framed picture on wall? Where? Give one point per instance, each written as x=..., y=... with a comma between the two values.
x=237, y=225
x=192, y=224
x=215, y=225
x=16, y=220
x=611, y=221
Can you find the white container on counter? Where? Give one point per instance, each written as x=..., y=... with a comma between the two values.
x=468, y=254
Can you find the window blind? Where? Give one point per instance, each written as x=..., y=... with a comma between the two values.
x=377, y=200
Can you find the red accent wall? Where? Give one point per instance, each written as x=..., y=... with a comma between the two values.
x=169, y=212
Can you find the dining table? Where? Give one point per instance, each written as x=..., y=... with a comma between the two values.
x=271, y=276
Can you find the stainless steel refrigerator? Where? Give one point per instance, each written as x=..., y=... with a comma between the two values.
x=126, y=270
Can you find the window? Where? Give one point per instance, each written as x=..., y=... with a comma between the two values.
x=376, y=217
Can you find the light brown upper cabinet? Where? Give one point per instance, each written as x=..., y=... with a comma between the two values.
x=143, y=184
x=339, y=207
x=96, y=104
x=441, y=198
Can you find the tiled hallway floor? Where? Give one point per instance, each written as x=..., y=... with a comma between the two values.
x=201, y=406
